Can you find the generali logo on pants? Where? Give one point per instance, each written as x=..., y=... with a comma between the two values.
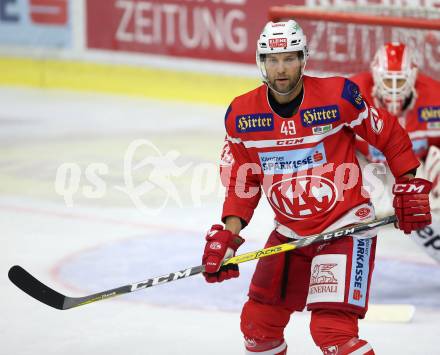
x=323, y=276
x=327, y=279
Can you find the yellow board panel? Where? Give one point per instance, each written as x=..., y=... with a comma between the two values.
x=123, y=79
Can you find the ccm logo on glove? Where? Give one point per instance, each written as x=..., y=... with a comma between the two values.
x=411, y=203
x=408, y=188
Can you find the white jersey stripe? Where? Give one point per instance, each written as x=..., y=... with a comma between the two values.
x=275, y=351
x=299, y=140
x=233, y=140
x=286, y=142
x=363, y=350
x=424, y=134
x=362, y=116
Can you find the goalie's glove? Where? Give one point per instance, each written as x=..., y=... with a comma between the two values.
x=220, y=244
x=411, y=203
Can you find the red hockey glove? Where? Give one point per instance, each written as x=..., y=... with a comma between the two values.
x=411, y=203
x=220, y=244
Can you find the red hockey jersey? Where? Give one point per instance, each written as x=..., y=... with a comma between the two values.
x=305, y=164
x=421, y=120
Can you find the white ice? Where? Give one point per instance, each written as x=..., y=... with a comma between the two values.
x=104, y=242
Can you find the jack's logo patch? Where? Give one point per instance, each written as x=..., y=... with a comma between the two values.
x=352, y=94
x=291, y=161
x=434, y=125
x=322, y=129
x=320, y=115
x=429, y=113
x=257, y=122
x=327, y=279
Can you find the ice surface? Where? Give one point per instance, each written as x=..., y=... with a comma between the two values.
x=106, y=241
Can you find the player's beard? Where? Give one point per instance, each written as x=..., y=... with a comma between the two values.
x=290, y=84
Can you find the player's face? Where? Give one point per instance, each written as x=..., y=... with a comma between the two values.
x=283, y=70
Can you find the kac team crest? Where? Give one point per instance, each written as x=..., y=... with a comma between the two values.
x=303, y=197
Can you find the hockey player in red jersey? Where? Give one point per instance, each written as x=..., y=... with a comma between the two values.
x=293, y=138
x=395, y=85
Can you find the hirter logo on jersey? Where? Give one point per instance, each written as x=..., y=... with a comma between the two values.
x=429, y=113
x=303, y=197
x=319, y=115
x=352, y=94
x=292, y=161
x=258, y=122
x=278, y=42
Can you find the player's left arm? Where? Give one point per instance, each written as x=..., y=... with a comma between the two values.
x=383, y=131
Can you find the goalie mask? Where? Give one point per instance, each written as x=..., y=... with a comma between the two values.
x=281, y=37
x=394, y=73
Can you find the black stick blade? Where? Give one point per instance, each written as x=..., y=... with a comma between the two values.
x=34, y=288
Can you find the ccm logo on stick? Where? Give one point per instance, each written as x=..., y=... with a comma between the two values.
x=162, y=279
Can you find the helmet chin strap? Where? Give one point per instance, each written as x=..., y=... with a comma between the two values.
x=282, y=93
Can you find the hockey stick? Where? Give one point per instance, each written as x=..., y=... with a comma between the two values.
x=36, y=289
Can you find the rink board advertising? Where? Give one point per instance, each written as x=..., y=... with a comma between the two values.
x=227, y=30
x=37, y=23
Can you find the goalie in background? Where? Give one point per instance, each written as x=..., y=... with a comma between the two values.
x=396, y=85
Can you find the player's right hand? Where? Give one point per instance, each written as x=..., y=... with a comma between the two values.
x=220, y=244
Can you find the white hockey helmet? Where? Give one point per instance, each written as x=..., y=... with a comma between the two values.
x=394, y=72
x=280, y=37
